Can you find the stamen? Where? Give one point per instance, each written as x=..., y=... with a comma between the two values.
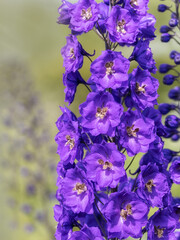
x=127, y=212
x=109, y=69
x=140, y=89
x=101, y=162
x=129, y=209
x=121, y=26
x=159, y=231
x=131, y=132
x=149, y=185
x=86, y=14
x=101, y=112
x=107, y=165
x=80, y=188
x=72, y=56
x=70, y=142
x=134, y=3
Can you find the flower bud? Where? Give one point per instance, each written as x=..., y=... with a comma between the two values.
x=172, y=54
x=169, y=154
x=162, y=7
x=169, y=79
x=174, y=94
x=175, y=137
x=164, y=108
x=173, y=22
x=164, y=29
x=172, y=121
x=164, y=68
x=166, y=37
x=177, y=59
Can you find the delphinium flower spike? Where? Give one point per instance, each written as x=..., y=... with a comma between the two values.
x=96, y=196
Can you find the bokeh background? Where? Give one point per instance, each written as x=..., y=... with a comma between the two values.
x=31, y=92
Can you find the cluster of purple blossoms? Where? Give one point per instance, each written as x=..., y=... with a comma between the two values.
x=99, y=198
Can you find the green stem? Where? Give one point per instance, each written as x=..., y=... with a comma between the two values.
x=130, y=163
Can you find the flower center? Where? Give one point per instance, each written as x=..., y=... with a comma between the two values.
x=109, y=69
x=159, y=231
x=106, y=165
x=127, y=212
x=70, y=141
x=71, y=53
x=80, y=188
x=140, y=89
x=149, y=185
x=101, y=112
x=121, y=26
x=134, y=3
x=131, y=132
x=86, y=14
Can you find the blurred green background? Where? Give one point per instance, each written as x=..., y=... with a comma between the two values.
x=30, y=96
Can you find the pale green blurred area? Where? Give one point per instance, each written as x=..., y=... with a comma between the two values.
x=30, y=34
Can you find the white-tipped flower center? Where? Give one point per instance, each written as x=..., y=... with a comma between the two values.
x=101, y=112
x=109, y=66
x=106, y=165
x=86, y=14
x=131, y=132
x=140, y=89
x=70, y=141
x=121, y=26
x=71, y=53
x=159, y=231
x=149, y=185
x=126, y=212
x=134, y=3
x=80, y=188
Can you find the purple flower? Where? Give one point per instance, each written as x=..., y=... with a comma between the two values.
x=139, y=7
x=110, y=70
x=64, y=11
x=136, y=132
x=156, y=116
x=153, y=185
x=155, y=155
x=71, y=53
x=77, y=193
x=100, y=113
x=143, y=55
x=105, y=165
x=146, y=26
x=83, y=16
x=126, y=214
x=66, y=117
x=71, y=81
x=162, y=225
x=65, y=221
x=174, y=170
x=143, y=89
x=176, y=209
x=87, y=233
x=121, y=26
x=68, y=142
x=103, y=12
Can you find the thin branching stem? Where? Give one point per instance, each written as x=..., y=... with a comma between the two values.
x=130, y=163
